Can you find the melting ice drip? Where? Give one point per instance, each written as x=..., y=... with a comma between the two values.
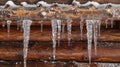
x=26, y=29
x=8, y=26
x=56, y=28
x=92, y=25
x=69, y=26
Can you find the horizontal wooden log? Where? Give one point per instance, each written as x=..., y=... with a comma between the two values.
x=46, y=35
x=48, y=23
x=77, y=52
x=45, y=64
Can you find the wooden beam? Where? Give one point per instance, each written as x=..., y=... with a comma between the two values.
x=46, y=35
x=77, y=52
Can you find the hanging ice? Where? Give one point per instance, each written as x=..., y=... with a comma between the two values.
x=8, y=26
x=26, y=29
x=41, y=24
x=19, y=24
x=99, y=26
x=69, y=26
x=54, y=34
x=63, y=28
x=81, y=27
x=89, y=27
x=106, y=22
x=59, y=30
x=96, y=32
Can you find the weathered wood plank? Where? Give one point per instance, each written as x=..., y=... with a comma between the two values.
x=76, y=52
x=46, y=35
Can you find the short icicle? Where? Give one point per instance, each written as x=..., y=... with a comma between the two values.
x=8, y=26
x=81, y=27
x=63, y=30
x=69, y=29
x=41, y=24
x=89, y=27
x=26, y=34
x=54, y=34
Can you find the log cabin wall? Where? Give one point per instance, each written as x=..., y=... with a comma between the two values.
x=40, y=48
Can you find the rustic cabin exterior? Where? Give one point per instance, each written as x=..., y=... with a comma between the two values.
x=60, y=33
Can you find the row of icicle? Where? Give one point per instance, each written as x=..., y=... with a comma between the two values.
x=92, y=26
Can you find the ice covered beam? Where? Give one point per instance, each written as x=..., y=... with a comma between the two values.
x=77, y=52
x=46, y=35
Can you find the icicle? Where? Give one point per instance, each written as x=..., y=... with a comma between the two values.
x=63, y=29
x=41, y=24
x=54, y=32
x=106, y=22
x=112, y=23
x=26, y=29
x=19, y=22
x=99, y=26
x=89, y=37
x=8, y=26
x=59, y=30
x=96, y=27
x=81, y=27
x=69, y=26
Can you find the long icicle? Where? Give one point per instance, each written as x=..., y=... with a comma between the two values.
x=89, y=37
x=26, y=34
x=69, y=26
x=8, y=26
x=96, y=29
x=59, y=30
x=54, y=32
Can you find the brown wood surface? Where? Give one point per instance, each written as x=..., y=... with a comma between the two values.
x=77, y=52
x=46, y=35
x=44, y=64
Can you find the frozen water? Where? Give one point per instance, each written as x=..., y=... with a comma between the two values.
x=69, y=26
x=54, y=34
x=25, y=4
x=8, y=26
x=59, y=30
x=81, y=27
x=63, y=30
x=11, y=4
x=41, y=24
x=89, y=27
x=106, y=22
x=26, y=29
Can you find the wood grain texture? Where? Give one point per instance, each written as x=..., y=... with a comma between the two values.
x=77, y=52
x=46, y=35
